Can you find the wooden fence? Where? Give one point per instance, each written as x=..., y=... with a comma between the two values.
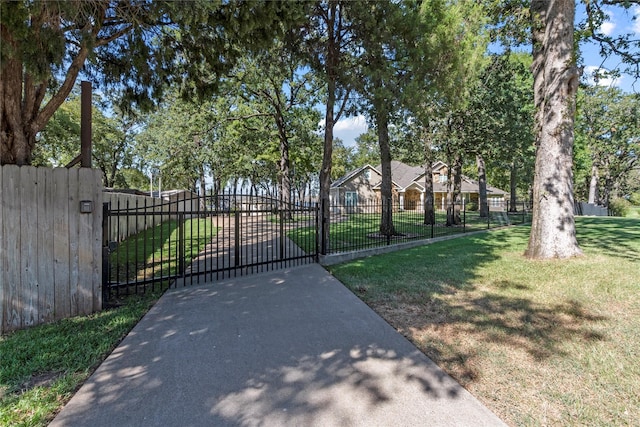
x=121, y=227
x=50, y=244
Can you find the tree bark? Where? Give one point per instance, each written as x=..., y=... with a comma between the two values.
x=553, y=231
x=284, y=177
x=482, y=187
x=593, y=185
x=21, y=97
x=386, y=187
x=513, y=184
x=429, y=208
x=457, y=189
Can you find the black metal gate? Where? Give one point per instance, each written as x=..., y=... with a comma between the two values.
x=152, y=243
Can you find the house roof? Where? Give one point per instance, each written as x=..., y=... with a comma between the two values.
x=338, y=182
x=404, y=176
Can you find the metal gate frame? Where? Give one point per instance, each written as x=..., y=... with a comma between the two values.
x=151, y=244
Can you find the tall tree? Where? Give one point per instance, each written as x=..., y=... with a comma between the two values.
x=608, y=120
x=327, y=41
x=276, y=87
x=451, y=47
x=135, y=44
x=556, y=77
x=387, y=32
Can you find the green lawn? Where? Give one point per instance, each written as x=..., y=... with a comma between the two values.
x=42, y=367
x=539, y=342
x=154, y=252
x=359, y=231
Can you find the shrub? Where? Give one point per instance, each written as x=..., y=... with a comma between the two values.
x=619, y=207
x=472, y=206
x=635, y=199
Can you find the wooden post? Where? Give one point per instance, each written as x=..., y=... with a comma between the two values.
x=85, y=124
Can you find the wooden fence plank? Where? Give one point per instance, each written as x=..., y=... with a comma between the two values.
x=97, y=243
x=28, y=246
x=46, y=284
x=74, y=224
x=11, y=216
x=50, y=255
x=85, y=241
x=62, y=298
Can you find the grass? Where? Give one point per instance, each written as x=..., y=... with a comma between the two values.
x=539, y=342
x=154, y=252
x=359, y=230
x=42, y=367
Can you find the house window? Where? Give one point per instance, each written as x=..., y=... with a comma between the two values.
x=367, y=174
x=351, y=198
x=442, y=178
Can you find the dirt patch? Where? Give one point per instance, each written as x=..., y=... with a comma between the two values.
x=41, y=380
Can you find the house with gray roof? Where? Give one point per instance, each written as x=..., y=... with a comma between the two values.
x=362, y=186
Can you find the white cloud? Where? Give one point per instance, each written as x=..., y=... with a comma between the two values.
x=351, y=124
x=636, y=23
x=348, y=129
x=594, y=75
x=607, y=28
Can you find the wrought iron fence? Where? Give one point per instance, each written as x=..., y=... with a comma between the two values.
x=357, y=226
x=189, y=239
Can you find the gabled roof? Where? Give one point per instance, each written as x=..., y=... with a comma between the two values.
x=404, y=175
x=338, y=182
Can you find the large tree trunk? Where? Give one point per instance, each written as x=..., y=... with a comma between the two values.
x=513, y=185
x=21, y=98
x=429, y=201
x=454, y=185
x=593, y=185
x=325, y=171
x=333, y=21
x=553, y=231
x=284, y=173
x=386, y=187
x=482, y=187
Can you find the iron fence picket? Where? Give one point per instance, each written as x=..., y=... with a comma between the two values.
x=167, y=248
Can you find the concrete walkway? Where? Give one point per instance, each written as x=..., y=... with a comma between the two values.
x=260, y=247
x=286, y=348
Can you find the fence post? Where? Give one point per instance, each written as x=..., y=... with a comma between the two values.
x=236, y=251
x=181, y=245
x=105, y=255
x=464, y=218
x=281, y=246
x=488, y=217
x=324, y=223
x=317, y=257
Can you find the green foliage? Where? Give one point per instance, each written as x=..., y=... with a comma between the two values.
x=619, y=207
x=607, y=139
x=112, y=138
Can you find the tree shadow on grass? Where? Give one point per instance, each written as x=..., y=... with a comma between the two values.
x=434, y=299
x=438, y=326
x=619, y=237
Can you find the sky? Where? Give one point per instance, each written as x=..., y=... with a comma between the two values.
x=620, y=22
